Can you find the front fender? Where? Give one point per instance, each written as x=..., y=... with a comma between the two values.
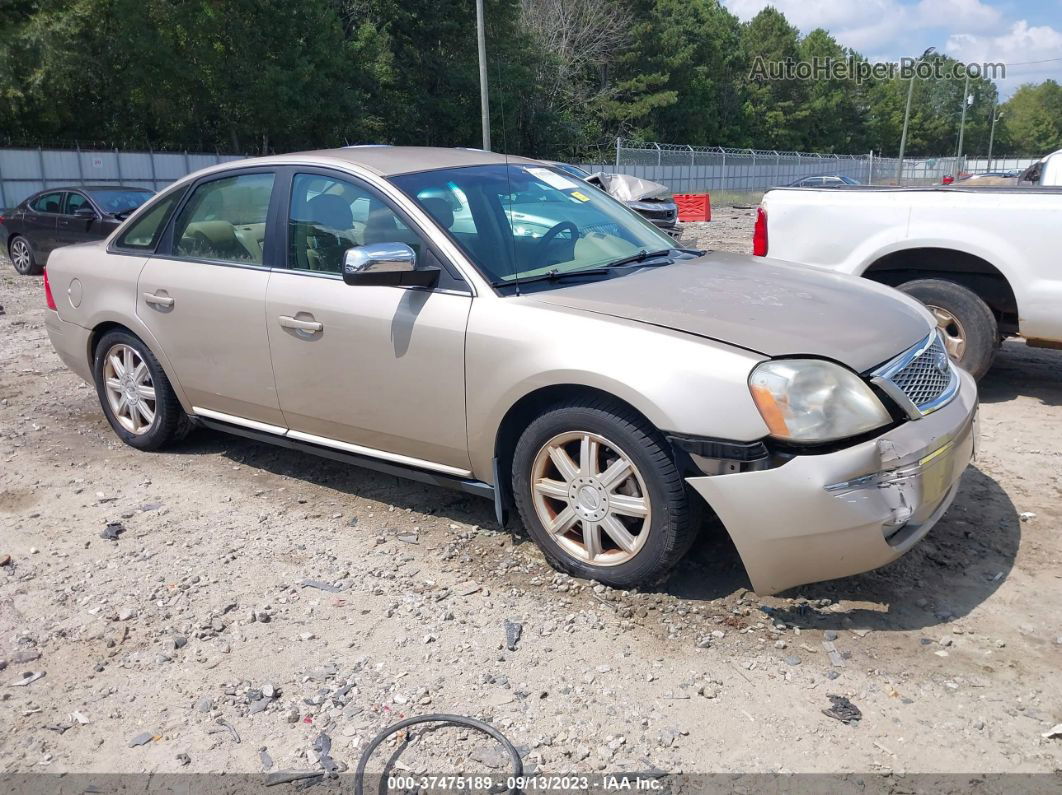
x=679, y=382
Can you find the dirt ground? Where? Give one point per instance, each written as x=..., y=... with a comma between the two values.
x=260, y=598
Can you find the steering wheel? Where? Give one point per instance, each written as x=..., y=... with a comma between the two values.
x=551, y=235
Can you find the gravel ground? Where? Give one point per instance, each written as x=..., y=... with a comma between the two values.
x=255, y=599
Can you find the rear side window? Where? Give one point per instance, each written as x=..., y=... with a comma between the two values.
x=145, y=231
x=225, y=219
x=47, y=202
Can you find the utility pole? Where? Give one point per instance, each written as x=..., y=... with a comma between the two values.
x=484, y=104
x=992, y=135
x=962, y=121
x=907, y=115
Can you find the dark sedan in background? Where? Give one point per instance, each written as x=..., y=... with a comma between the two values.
x=57, y=217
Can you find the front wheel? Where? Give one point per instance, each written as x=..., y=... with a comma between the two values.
x=970, y=330
x=600, y=494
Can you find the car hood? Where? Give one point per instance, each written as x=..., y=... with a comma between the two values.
x=761, y=305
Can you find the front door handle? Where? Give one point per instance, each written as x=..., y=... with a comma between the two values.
x=311, y=326
x=158, y=300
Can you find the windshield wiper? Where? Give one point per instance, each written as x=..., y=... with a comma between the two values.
x=555, y=275
x=640, y=257
x=552, y=275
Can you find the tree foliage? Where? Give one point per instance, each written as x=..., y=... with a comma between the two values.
x=276, y=75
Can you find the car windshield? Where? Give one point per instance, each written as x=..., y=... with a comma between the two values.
x=849, y=181
x=118, y=200
x=522, y=221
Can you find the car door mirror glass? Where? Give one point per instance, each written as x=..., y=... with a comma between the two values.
x=86, y=213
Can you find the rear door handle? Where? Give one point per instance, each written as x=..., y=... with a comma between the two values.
x=158, y=300
x=312, y=326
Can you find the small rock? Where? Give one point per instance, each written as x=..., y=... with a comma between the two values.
x=792, y=659
x=830, y=634
x=513, y=631
x=25, y=656
x=112, y=531
x=1026, y=516
x=179, y=641
x=141, y=739
x=126, y=613
x=184, y=760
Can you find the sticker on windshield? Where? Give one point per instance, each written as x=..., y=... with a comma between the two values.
x=579, y=195
x=553, y=179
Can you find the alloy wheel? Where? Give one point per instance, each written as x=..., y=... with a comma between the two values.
x=952, y=330
x=590, y=497
x=21, y=255
x=130, y=390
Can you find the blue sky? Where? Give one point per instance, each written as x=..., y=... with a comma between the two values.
x=1004, y=31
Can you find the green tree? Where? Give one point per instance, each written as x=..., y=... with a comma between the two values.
x=1032, y=120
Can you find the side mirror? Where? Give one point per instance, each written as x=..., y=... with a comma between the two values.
x=85, y=213
x=386, y=265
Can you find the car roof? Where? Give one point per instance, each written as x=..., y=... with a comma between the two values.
x=388, y=161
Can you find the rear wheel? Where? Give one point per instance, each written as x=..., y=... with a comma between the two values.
x=970, y=330
x=22, y=258
x=599, y=492
x=135, y=393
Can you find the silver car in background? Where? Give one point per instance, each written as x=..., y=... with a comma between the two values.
x=490, y=323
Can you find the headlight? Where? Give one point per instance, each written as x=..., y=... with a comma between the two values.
x=809, y=400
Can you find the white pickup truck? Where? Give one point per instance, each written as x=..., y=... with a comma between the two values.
x=986, y=261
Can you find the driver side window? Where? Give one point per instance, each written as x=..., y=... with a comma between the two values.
x=329, y=215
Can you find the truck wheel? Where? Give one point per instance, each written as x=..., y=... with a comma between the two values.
x=971, y=333
x=600, y=494
x=135, y=393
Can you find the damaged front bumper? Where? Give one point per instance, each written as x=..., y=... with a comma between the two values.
x=818, y=517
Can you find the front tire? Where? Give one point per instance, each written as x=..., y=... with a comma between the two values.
x=135, y=393
x=970, y=330
x=21, y=254
x=598, y=491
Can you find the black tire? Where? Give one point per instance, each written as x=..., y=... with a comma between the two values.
x=976, y=323
x=30, y=267
x=171, y=424
x=672, y=525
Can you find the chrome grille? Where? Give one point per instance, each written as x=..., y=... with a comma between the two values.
x=927, y=376
x=923, y=375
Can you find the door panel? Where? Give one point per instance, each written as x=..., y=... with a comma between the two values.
x=205, y=301
x=39, y=223
x=209, y=319
x=385, y=369
x=70, y=229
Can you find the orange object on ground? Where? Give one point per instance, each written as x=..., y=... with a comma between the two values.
x=693, y=206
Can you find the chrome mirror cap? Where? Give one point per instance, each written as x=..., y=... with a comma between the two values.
x=379, y=258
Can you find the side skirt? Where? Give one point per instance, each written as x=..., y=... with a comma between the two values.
x=469, y=486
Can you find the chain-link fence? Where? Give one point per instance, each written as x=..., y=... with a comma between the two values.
x=728, y=170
